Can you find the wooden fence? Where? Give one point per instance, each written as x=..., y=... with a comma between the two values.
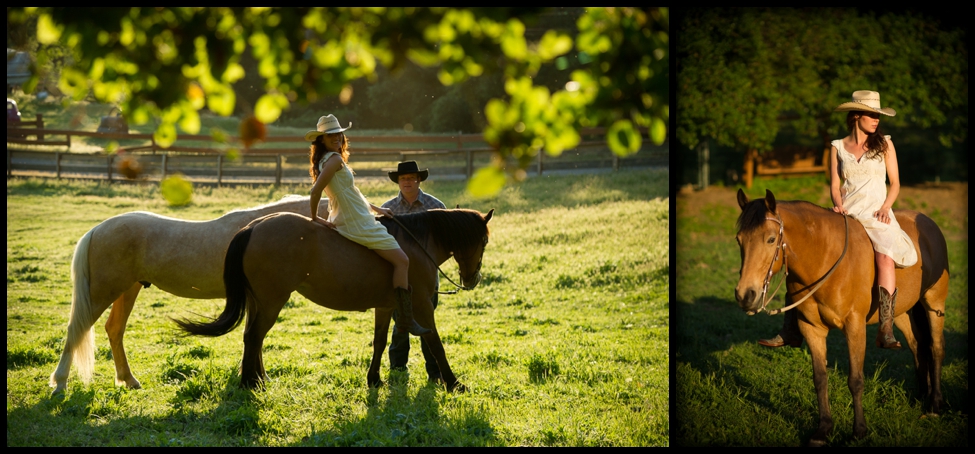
x=36, y=151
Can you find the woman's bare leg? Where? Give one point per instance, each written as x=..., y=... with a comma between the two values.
x=401, y=266
x=885, y=272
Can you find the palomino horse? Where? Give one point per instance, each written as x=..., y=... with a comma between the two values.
x=283, y=253
x=120, y=256
x=833, y=258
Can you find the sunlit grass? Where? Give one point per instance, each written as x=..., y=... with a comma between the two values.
x=564, y=343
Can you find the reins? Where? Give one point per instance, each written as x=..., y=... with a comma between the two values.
x=785, y=269
x=452, y=292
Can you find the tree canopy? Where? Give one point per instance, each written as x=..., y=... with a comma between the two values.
x=747, y=73
x=169, y=63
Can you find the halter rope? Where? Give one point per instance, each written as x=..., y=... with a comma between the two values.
x=785, y=264
x=452, y=292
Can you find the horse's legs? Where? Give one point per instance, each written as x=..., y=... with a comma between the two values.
x=938, y=355
x=815, y=337
x=436, y=348
x=856, y=340
x=260, y=319
x=383, y=317
x=918, y=344
x=115, y=327
x=933, y=303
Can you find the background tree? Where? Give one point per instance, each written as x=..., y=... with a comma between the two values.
x=747, y=75
x=169, y=63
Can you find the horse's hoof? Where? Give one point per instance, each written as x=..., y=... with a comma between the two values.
x=376, y=384
x=457, y=387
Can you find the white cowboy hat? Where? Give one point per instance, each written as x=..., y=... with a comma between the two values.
x=866, y=100
x=326, y=125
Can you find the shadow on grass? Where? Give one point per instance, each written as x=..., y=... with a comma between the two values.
x=717, y=343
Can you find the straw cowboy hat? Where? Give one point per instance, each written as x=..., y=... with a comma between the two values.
x=326, y=125
x=866, y=100
x=408, y=167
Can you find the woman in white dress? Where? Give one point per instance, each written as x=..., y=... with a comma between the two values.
x=860, y=165
x=349, y=211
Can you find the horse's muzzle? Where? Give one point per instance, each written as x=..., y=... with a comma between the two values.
x=747, y=300
x=472, y=282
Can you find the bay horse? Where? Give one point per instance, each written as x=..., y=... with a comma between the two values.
x=117, y=258
x=281, y=253
x=832, y=258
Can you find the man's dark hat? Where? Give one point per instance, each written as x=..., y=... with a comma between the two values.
x=406, y=168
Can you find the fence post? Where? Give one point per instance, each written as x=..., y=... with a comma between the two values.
x=470, y=164
x=616, y=162
x=540, y=153
x=219, y=169
x=163, y=168
x=277, y=171
x=57, y=164
x=111, y=158
x=40, y=127
x=10, y=163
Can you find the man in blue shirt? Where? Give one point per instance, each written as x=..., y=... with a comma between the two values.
x=411, y=200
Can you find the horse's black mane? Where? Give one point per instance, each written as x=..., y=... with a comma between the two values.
x=454, y=229
x=753, y=215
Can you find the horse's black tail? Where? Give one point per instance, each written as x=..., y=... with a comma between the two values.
x=237, y=287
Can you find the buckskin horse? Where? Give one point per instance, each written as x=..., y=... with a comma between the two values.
x=830, y=274
x=115, y=259
x=281, y=253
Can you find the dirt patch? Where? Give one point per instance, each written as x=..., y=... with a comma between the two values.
x=947, y=200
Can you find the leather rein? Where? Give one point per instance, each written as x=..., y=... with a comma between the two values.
x=434, y=261
x=785, y=268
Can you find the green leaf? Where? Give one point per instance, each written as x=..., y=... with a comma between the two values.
x=658, y=131
x=554, y=44
x=269, y=106
x=176, y=190
x=190, y=122
x=47, y=31
x=486, y=182
x=165, y=135
x=221, y=99
x=623, y=138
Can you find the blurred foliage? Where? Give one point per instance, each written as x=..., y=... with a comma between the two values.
x=166, y=64
x=747, y=74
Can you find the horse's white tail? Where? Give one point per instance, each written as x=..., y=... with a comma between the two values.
x=79, y=347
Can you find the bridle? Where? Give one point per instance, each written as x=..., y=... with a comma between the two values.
x=785, y=269
x=476, y=271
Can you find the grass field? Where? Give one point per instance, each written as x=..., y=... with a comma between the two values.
x=564, y=343
x=730, y=391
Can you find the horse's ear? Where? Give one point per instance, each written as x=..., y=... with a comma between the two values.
x=488, y=217
x=770, y=200
x=458, y=206
x=742, y=199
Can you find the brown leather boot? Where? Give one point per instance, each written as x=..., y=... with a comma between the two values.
x=789, y=335
x=404, y=299
x=885, y=336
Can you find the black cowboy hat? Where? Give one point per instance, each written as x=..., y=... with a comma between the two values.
x=407, y=168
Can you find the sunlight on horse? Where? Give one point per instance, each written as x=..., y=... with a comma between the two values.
x=282, y=253
x=118, y=257
x=810, y=239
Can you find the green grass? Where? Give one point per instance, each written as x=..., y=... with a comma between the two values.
x=564, y=343
x=731, y=391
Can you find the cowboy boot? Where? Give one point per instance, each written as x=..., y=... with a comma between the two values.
x=789, y=335
x=404, y=299
x=885, y=336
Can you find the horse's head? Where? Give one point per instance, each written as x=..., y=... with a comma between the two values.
x=759, y=240
x=470, y=259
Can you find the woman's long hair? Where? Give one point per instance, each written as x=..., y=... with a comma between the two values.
x=876, y=142
x=317, y=150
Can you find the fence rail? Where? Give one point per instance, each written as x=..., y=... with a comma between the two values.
x=447, y=157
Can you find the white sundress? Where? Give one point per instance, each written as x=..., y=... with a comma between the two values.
x=349, y=211
x=864, y=191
